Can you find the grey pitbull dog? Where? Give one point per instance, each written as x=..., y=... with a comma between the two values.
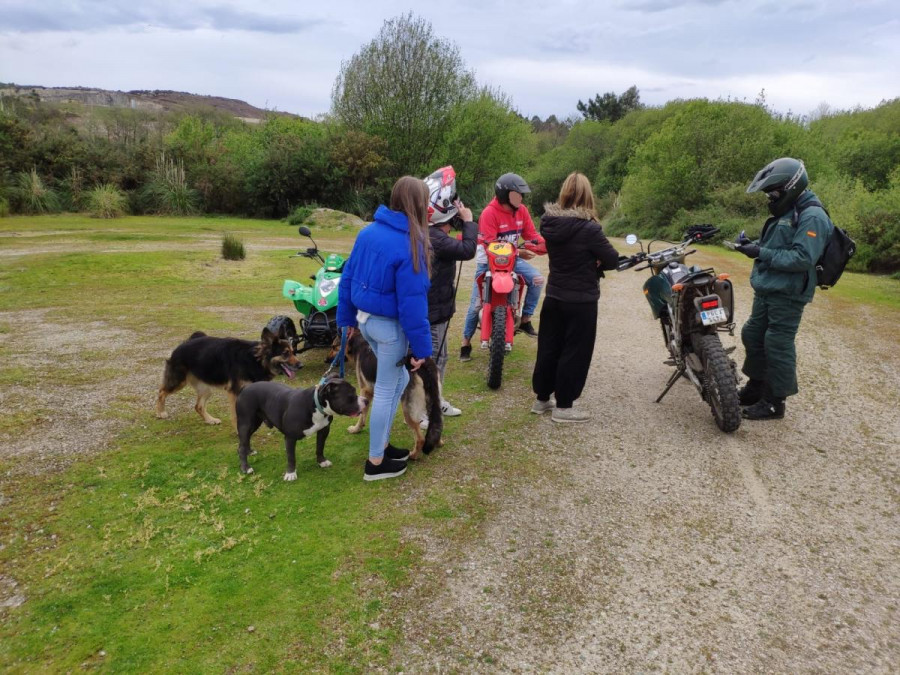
x=297, y=413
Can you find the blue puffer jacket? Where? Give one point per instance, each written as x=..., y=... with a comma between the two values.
x=379, y=279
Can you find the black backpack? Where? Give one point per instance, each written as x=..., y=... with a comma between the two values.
x=838, y=250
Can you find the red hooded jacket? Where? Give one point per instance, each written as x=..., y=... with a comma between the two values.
x=498, y=223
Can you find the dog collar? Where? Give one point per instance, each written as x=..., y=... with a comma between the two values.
x=316, y=401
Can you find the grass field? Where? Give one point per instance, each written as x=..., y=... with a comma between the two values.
x=146, y=549
x=152, y=552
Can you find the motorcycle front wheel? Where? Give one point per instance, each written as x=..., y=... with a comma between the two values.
x=497, y=347
x=719, y=384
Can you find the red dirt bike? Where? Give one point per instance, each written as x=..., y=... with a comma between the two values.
x=502, y=293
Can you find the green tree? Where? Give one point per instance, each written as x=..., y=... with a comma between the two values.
x=403, y=87
x=484, y=138
x=704, y=147
x=609, y=107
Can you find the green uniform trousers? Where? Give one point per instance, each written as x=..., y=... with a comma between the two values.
x=768, y=338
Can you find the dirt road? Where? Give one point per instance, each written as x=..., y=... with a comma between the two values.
x=652, y=541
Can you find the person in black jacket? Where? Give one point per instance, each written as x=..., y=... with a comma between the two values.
x=578, y=252
x=446, y=211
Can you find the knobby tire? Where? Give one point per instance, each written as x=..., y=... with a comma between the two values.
x=497, y=347
x=720, y=385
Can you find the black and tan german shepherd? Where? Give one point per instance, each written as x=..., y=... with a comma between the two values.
x=206, y=362
x=421, y=398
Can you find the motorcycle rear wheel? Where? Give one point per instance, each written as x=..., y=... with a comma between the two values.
x=719, y=384
x=497, y=347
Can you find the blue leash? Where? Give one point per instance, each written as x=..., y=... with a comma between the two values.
x=337, y=363
x=339, y=359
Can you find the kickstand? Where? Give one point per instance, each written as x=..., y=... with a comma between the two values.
x=672, y=380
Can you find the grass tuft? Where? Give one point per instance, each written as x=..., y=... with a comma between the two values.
x=107, y=201
x=232, y=248
x=168, y=193
x=32, y=196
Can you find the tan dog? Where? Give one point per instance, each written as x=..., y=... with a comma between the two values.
x=206, y=362
x=422, y=395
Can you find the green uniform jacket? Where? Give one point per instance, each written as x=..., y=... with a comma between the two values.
x=787, y=255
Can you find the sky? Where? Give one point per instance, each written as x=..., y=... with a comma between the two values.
x=545, y=55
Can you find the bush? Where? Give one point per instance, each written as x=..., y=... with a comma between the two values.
x=107, y=201
x=4, y=207
x=232, y=248
x=168, y=192
x=301, y=214
x=31, y=196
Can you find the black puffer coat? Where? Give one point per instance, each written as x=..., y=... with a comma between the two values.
x=447, y=250
x=578, y=252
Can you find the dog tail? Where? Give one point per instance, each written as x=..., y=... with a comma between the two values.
x=197, y=334
x=431, y=384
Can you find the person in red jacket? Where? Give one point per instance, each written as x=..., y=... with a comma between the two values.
x=505, y=218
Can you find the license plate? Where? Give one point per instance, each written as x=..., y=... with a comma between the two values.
x=713, y=316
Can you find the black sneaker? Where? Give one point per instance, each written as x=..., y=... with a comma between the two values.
x=399, y=454
x=465, y=353
x=389, y=468
x=764, y=410
x=528, y=329
x=751, y=392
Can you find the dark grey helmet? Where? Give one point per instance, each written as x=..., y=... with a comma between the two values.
x=783, y=180
x=510, y=182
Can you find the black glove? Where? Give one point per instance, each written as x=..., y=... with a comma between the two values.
x=749, y=249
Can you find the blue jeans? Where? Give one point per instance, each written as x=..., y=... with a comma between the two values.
x=532, y=295
x=387, y=340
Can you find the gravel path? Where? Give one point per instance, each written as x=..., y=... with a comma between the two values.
x=652, y=541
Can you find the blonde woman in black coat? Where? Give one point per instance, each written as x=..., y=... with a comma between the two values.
x=578, y=252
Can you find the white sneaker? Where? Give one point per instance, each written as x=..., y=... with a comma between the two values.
x=485, y=344
x=570, y=416
x=540, y=407
x=507, y=347
x=449, y=410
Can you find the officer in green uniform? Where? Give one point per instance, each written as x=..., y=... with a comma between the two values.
x=783, y=281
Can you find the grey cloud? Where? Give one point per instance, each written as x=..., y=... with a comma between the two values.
x=24, y=17
x=653, y=6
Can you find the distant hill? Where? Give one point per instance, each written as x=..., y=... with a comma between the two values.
x=157, y=99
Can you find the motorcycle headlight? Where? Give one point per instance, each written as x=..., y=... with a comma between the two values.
x=327, y=286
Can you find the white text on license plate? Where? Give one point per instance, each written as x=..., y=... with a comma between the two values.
x=711, y=316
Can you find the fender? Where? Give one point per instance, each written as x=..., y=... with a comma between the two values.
x=658, y=292
x=502, y=282
x=300, y=294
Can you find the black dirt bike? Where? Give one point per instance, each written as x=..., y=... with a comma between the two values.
x=693, y=306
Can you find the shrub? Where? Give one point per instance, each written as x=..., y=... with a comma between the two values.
x=4, y=207
x=301, y=214
x=168, y=191
x=232, y=248
x=107, y=201
x=30, y=194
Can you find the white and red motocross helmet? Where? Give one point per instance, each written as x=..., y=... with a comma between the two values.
x=441, y=195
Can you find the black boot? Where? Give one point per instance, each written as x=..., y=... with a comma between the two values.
x=751, y=392
x=770, y=408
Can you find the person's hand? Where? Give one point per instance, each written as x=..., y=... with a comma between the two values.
x=464, y=212
x=525, y=254
x=742, y=239
x=749, y=249
x=415, y=363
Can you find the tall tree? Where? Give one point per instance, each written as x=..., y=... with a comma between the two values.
x=609, y=107
x=403, y=87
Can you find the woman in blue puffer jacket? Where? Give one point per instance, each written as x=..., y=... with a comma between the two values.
x=384, y=292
